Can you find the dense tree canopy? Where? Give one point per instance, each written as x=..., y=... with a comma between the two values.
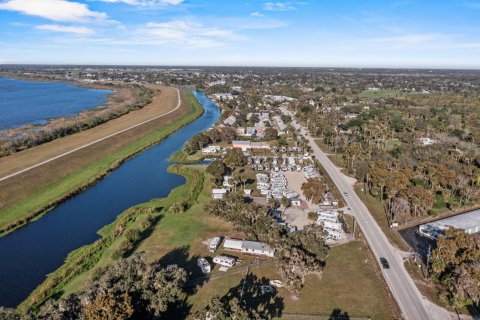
x=314, y=190
x=235, y=158
x=129, y=289
x=456, y=266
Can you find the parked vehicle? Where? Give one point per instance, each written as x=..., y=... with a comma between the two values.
x=267, y=289
x=204, y=265
x=214, y=244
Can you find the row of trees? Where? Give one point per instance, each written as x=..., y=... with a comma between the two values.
x=300, y=253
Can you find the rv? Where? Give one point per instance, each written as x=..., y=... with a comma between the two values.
x=214, y=244
x=225, y=261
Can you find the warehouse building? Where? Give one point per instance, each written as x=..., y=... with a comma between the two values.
x=469, y=222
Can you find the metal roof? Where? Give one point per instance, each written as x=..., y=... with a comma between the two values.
x=259, y=246
x=233, y=244
x=241, y=142
x=463, y=221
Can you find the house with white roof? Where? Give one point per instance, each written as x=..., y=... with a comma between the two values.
x=219, y=194
x=249, y=247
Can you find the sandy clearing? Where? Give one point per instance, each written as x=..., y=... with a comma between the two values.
x=161, y=104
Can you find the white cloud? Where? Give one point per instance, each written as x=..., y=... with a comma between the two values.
x=187, y=33
x=278, y=6
x=256, y=14
x=65, y=29
x=56, y=10
x=146, y=3
x=412, y=39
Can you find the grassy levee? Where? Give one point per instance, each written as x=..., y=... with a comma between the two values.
x=171, y=231
x=181, y=157
x=39, y=203
x=77, y=269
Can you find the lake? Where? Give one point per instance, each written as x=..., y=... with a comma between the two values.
x=29, y=102
x=30, y=253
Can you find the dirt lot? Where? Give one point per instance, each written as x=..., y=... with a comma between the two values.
x=24, y=185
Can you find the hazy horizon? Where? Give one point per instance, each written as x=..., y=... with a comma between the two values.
x=399, y=34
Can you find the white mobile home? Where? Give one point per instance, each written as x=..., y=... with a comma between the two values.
x=225, y=261
x=219, y=194
x=249, y=247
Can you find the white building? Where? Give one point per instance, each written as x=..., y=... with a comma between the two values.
x=427, y=141
x=223, y=96
x=230, y=120
x=211, y=149
x=468, y=222
x=249, y=247
x=225, y=261
x=219, y=193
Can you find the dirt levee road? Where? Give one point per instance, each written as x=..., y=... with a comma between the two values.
x=162, y=102
x=40, y=168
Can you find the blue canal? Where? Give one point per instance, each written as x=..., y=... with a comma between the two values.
x=30, y=102
x=30, y=253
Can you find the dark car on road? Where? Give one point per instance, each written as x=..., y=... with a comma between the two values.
x=384, y=263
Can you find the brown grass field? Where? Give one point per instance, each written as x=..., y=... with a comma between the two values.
x=24, y=185
x=350, y=282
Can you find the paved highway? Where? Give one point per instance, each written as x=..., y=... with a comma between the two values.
x=401, y=285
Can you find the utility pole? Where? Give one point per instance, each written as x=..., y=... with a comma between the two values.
x=428, y=261
x=354, y=224
x=245, y=281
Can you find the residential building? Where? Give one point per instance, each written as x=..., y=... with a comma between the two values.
x=249, y=247
x=219, y=194
x=468, y=222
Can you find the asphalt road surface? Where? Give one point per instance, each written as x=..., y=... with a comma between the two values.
x=401, y=285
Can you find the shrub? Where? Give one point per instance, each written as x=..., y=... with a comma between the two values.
x=132, y=235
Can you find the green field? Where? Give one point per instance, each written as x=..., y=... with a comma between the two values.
x=383, y=94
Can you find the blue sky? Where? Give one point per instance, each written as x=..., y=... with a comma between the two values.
x=325, y=33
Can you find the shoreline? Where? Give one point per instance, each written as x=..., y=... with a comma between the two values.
x=119, y=91
x=157, y=137
x=79, y=262
x=83, y=259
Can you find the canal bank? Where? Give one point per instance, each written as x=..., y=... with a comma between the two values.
x=71, y=164
x=75, y=222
